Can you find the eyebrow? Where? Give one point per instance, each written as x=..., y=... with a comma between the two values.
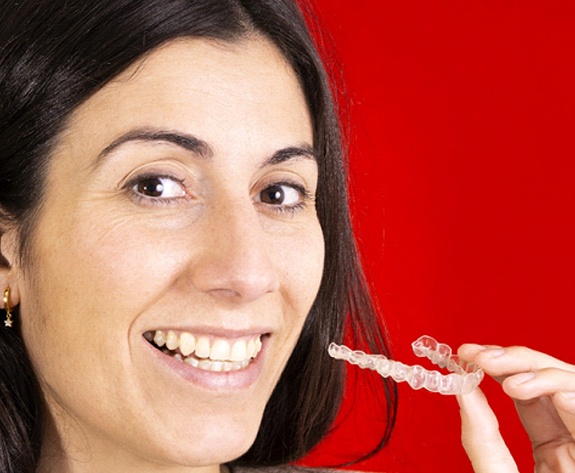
x=198, y=146
x=183, y=140
x=285, y=154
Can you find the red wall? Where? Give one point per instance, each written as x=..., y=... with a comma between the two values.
x=461, y=130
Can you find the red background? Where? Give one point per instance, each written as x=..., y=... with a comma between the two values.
x=461, y=125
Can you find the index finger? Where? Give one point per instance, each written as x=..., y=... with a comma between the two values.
x=500, y=362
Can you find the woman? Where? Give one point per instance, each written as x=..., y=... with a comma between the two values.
x=176, y=248
x=171, y=179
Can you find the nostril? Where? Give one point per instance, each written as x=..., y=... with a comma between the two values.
x=234, y=283
x=225, y=293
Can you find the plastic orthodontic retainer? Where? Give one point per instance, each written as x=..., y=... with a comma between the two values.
x=463, y=379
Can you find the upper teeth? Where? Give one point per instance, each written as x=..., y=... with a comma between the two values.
x=218, y=349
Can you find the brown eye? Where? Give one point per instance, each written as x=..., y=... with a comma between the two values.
x=273, y=195
x=151, y=187
x=159, y=187
x=281, y=194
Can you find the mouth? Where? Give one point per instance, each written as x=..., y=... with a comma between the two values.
x=215, y=354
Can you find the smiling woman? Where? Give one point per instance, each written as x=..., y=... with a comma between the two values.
x=175, y=240
x=180, y=241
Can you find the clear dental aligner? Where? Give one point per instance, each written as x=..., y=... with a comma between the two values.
x=463, y=379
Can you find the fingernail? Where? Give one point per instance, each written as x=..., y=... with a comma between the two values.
x=493, y=352
x=570, y=395
x=522, y=378
x=477, y=347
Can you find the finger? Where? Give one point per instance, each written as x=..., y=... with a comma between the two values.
x=564, y=402
x=543, y=382
x=532, y=393
x=468, y=351
x=501, y=362
x=542, y=402
x=542, y=421
x=480, y=436
x=545, y=418
x=557, y=455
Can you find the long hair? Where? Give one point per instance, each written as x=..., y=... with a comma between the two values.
x=54, y=55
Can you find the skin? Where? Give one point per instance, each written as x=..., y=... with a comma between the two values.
x=210, y=255
x=543, y=389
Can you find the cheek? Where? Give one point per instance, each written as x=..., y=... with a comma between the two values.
x=128, y=269
x=123, y=266
x=303, y=261
x=88, y=285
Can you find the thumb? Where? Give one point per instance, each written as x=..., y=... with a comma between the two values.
x=480, y=436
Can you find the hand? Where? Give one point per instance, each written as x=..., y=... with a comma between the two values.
x=543, y=389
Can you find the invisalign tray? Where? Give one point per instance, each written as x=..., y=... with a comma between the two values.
x=463, y=379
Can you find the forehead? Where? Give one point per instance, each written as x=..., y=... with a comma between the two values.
x=220, y=91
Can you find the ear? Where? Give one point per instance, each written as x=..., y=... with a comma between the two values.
x=9, y=263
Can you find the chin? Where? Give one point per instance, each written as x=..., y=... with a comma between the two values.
x=218, y=443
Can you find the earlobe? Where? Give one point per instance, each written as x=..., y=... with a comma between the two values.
x=6, y=299
x=9, y=266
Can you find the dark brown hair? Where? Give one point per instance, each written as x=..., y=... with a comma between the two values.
x=54, y=54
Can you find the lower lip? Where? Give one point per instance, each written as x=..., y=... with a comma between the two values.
x=213, y=380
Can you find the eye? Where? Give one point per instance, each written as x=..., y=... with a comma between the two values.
x=158, y=187
x=281, y=194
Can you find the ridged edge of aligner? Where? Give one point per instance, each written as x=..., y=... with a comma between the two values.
x=460, y=381
x=441, y=355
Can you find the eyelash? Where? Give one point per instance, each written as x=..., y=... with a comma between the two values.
x=305, y=195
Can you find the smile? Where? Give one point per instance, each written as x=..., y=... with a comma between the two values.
x=209, y=354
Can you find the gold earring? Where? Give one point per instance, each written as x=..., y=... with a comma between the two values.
x=8, y=322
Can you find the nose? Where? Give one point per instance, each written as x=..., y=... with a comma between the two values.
x=237, y=259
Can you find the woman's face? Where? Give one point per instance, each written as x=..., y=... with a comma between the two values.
x=179, y=208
